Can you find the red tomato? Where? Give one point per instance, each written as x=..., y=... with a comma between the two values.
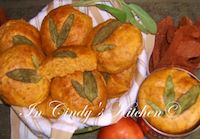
x=126, y=128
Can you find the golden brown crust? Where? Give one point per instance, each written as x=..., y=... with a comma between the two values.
x=18, y=27
x=80, y=29
x=129, y=44
x=118, y=84
x=62, y=89
x=15, y=92
x=153, y=89
x=54, y=66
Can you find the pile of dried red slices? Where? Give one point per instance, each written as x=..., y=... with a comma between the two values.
x=177, y=45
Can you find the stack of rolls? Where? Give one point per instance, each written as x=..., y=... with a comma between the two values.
x=67, y=61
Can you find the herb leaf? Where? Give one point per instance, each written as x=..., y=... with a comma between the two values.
x=53, y=30
x=19, y=39
x=65, y=30
x=104, y=47
x=132, y=20
x=89, y=88
x=127, y=12
x=146, y=20
x=188, y=99
x=117, y=13
x=90, y=85
x=169, y=93
x=64, y=53
x=24, y=75
x=155, y=107
x=79, y=88
x=35, y=61
x=106, y=31
x=59, y=38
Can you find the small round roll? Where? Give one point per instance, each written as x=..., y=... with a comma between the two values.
x=81, y=90
x=175, y=94
x=20, y=83
x=118, y=84
x=16, y=32
x=117, y=45
x=64, y=26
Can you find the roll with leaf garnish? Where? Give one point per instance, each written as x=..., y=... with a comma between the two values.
x=117, y=45
x=81, y=91
x=67, y=60
x=16, y=32
x=20, y=82
x=64, y=26
x=170, y=97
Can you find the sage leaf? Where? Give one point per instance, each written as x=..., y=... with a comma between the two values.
x=24, y=75
x=104, y=47
x=197, y=73
x=64, y=54
x=90, y=85
x=155, y=107
x=106, y=76
x=127, y=12
x=19, y=39
x=35, y=61
x=60, y=37
x=106, y=31
x=79, y=88
x=132, y=20
x=188, y=99
x=65, y=30
x=117, y=13
x=146, y=20
x=53, y=31
x=169, y=93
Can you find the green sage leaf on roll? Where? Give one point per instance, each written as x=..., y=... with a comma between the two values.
x=24, y=75
x=90, y=85
x=53, y=30
x=104, y=47
x=79, y=88
x=155, y=107
x=19, y=39
x=64, y=33
x=64, y=54
x=105, y=32
x=188, y=99
x=60, y=37
x=169, y=93
x=35, y=61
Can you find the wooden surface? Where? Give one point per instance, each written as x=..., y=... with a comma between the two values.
x=157, y=8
